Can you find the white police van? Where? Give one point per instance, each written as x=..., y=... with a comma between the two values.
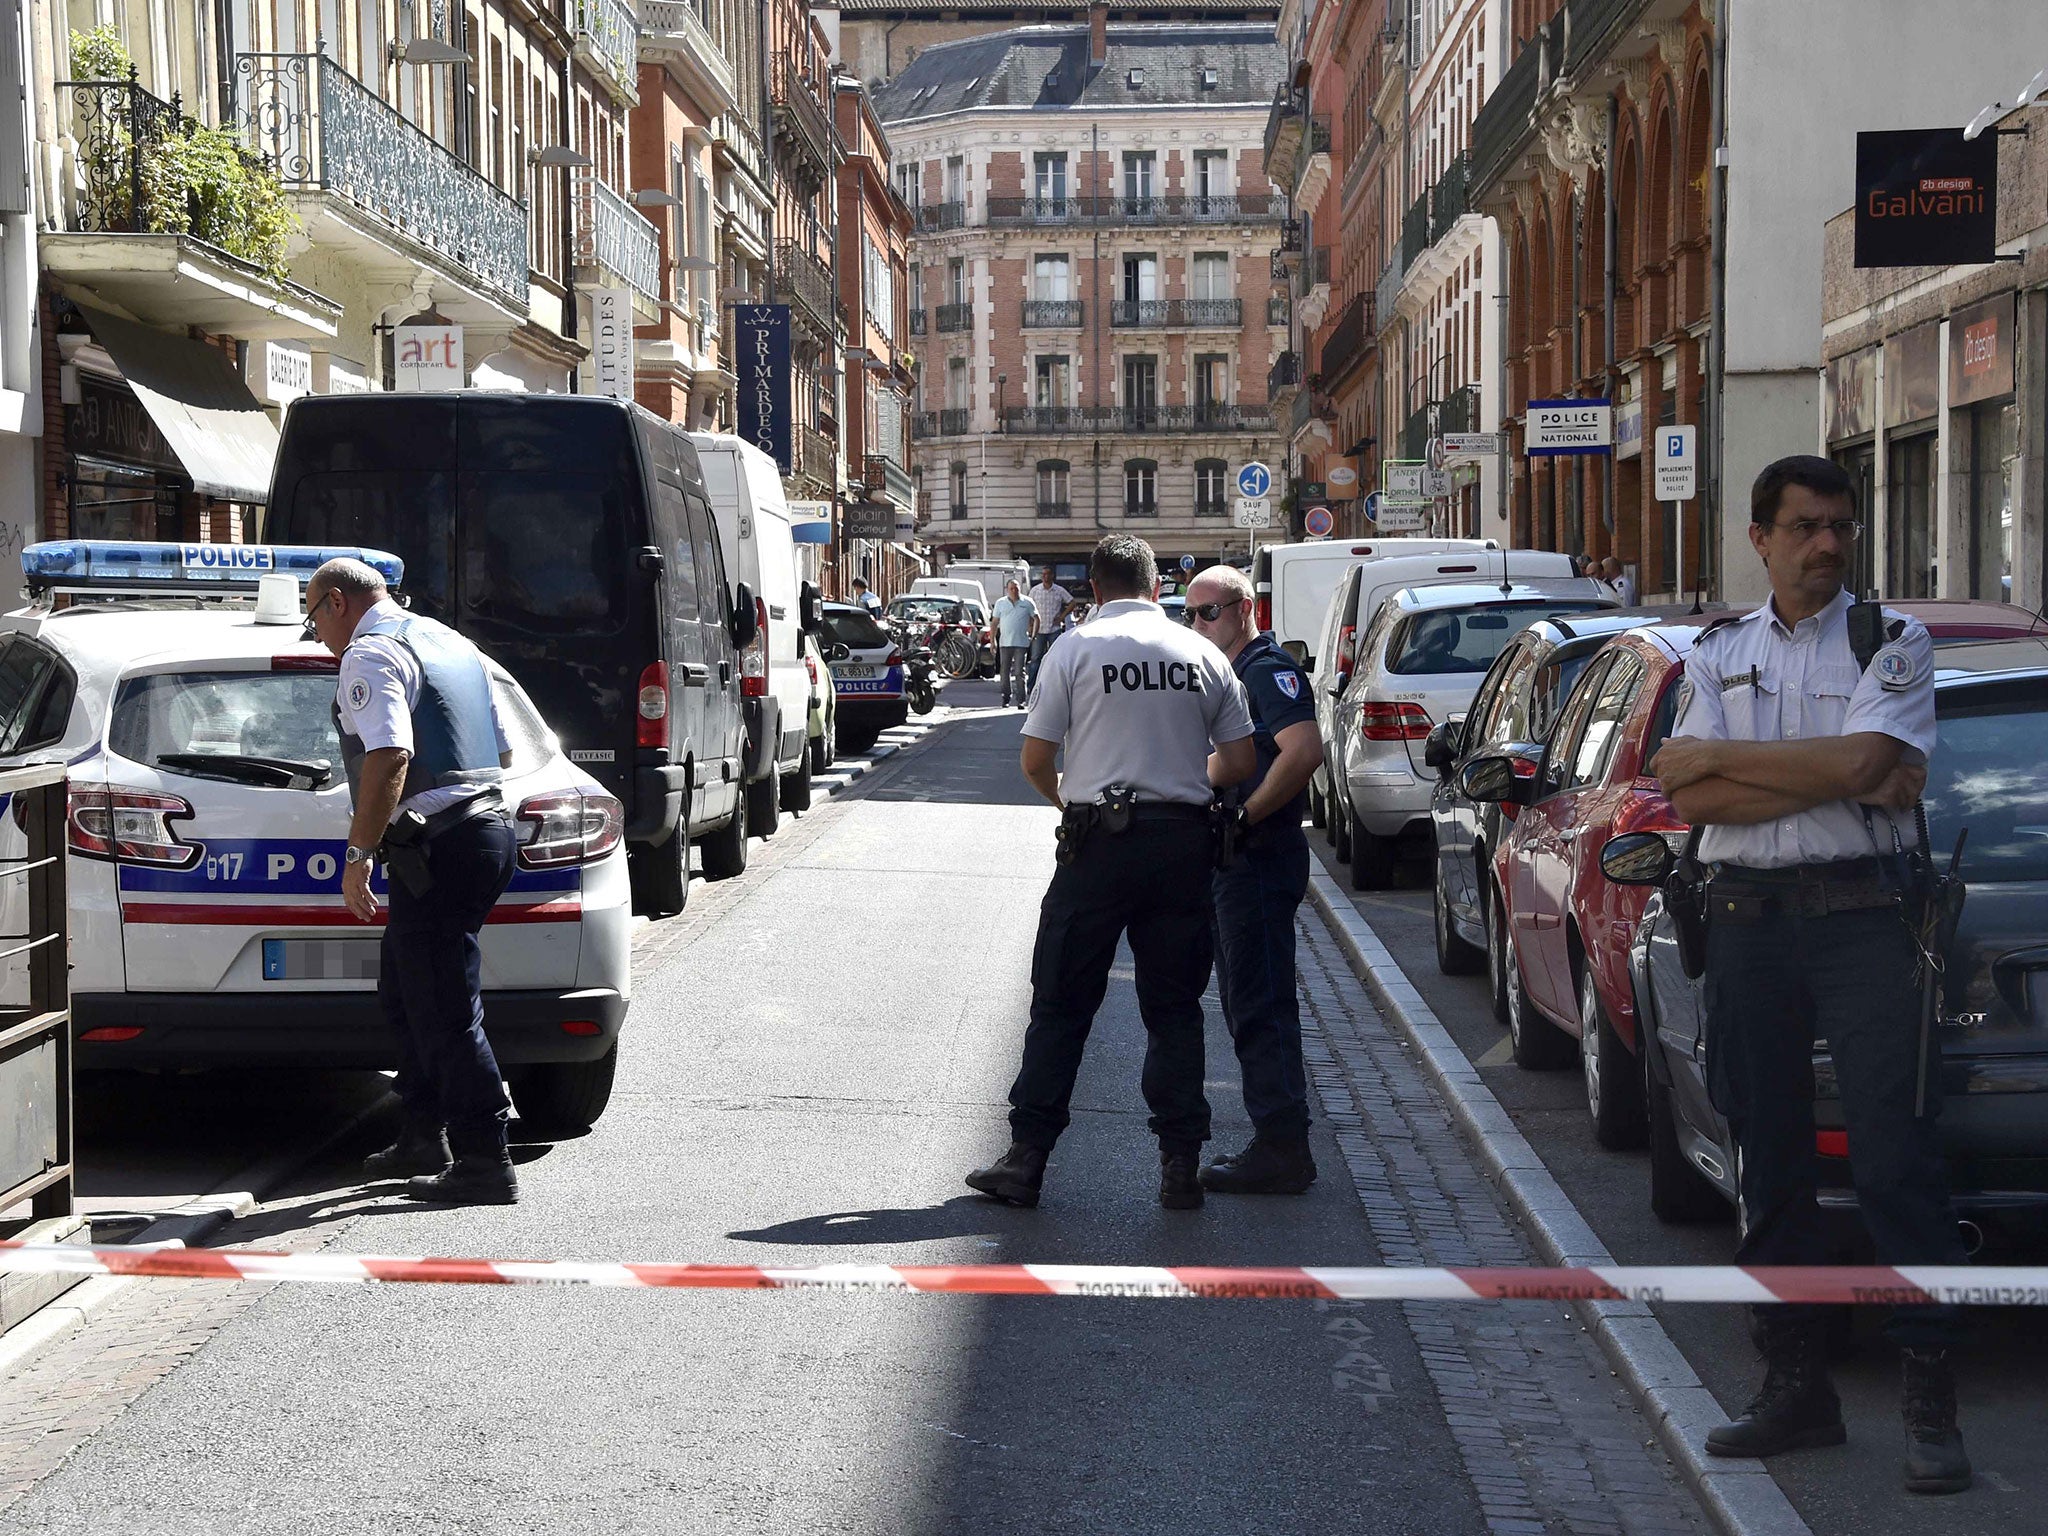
x=208, y=812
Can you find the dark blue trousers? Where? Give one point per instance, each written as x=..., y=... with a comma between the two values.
x=1775, y=983
x=1255, y=903
x=429, y=983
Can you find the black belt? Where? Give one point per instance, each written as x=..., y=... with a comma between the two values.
x=1169, y=810
x=1809, y=890
x=467, y=809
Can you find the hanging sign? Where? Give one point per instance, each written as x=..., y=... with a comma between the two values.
x=425, y=357
x=761, y=353
x=611, y=342
x=1569, y=426
x=1925, y=197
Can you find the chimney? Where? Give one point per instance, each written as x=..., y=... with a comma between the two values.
x=1098, y=35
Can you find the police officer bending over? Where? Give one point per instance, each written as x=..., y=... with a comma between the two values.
x=1140, y=704
x=424, y=750
x=1782, y=743
x=1258, y=892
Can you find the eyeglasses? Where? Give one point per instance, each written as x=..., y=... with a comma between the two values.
x=1209, y=613
x=310, y=631
x=1844, y=528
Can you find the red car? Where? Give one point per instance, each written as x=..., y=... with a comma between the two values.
x=1563, y=957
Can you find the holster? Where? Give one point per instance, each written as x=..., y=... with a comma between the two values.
x=1076, y=822
x=1227, y=826
x=1685, y=898
x=404, y=852
x=1113, y=815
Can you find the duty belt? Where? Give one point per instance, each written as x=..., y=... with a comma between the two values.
x=1808, y=890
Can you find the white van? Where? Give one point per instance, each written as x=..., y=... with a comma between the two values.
x=991, y=575
x=775, y=687
x=1293, y=582
x=960, y=588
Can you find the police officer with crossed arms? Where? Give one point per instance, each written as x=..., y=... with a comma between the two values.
x=1802, y=767
x=424, y=750
x=1141, y=705
x=1258, y=893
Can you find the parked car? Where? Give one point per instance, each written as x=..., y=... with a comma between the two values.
x=1361, y=588
x=1292, y=583
x=989, y=575
x=822, y=720
x=572, y=538
x=867, y=675
x=1988, y=774
x=1419, y=661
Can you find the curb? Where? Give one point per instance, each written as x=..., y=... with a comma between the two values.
x=1740, y=1497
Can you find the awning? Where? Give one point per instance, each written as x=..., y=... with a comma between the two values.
x=206, y=413
x=912, y=555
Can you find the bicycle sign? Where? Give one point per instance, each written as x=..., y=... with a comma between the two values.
x=1254, y=481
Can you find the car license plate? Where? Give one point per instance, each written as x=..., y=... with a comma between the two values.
x=320, y=959
x=856, y=670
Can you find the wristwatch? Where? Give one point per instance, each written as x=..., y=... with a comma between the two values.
x=357, y=855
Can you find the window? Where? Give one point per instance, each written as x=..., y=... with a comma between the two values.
x=1049, y=180
x=1211, y=275
x=1138, y=168
x=1989, y=775
x=956, y=179
x=1211, y=379
x=532, y=564
x=1451, y=640
x=1052, y=380
x=906, y=184
x=1053, y=487
x=956, y=383
x=36, y=689
x=1212, y=170
x=1141, y=389
x=917, y=287
x=956, y=280
x=1208, y=488
x=1049, y=277
x=1141, y=278
x=1595, y=746
x=1141, y=488
x=956, y=485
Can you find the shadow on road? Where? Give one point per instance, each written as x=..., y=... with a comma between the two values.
x=971, y=761
x=963, y=1216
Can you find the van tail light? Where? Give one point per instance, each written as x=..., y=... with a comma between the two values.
x=1262, y=611
x=651, y=729
x=129, y=826
x=811, y=667
x=112, y=1034
x=1831, y=1143
x=576, y=827
x=754, y=659
x=1394, y=722
x=1347, y=643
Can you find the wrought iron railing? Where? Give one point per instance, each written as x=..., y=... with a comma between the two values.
x=320, y=129
x=956, y=317
x=1347, y=338
x=1278, y=311
x=917, y=319
x=953, y=421
x=117, y=127
x=615, y=237
x=1285, y=374
x=608, y=40
x=1212, y=314
x=1136, y=508
x=1319, y=135
x=796, y=107
x=1460, y=410
x=817, y=456
x=1038, y=419
x=1112, y=208
x=1055, y=509
x=883, y=476
x=1415, y=230
x=1415, y=432
x=1291, y=236
x=805, y=282
x=1505, y=121
x=1388, y=290
x=935, y=217
x=1211, y=506
x=1285, y=127
x=1206, y=314
x=1305, y=407
x=1043, y=314
x=1449, y=199
x=1315, y=269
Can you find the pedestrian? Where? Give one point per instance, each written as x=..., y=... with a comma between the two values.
x=1797, y=763
x=1256, y=896
x=1016, y=619
x=864, y=597
x=1615, y=576
x=1053, y=602
x=424, y=751
x=1152, y=720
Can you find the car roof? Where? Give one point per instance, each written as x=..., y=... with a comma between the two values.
x=1477, y=594
x=1970, y=660
x=138, y=635
x=1970, y=618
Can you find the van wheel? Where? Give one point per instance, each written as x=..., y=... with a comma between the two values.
x=821, y=753
x=764, y=803
x=563, y=1098
x=1318, y=812
x=796, y=792
x=660, y=874
x=725, y=851
x=1372, y=858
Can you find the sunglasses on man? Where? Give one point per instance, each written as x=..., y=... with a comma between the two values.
x=1209, y=613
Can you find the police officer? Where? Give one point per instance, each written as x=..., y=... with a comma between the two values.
x=1256, y=896
x=1141, y=705
x=1800, y=766
x=424, y=751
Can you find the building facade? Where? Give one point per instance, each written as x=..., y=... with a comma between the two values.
x=1092, y=298
x=804, y=188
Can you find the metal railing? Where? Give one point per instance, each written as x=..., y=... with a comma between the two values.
x=1347, y=338
x=1315, y=269
x=1415, y=432
x=917, y=320
x=1055, y=509
x=1203, y=314
x=614, y=236
x=1450, y=198
x=884, y=476
x=1505, y=120
x=1459, y=411
x=1285, y=127
x=953, y=421
x=803, y=114
x=116, y=128
x=956, y=317
x=817, y=456
x=1319, y=134
x=1388, y=290
x=933, y=217
x=1290, y=237
x=1278, y=311
x=1285, y=374
x=1415, y=231
x=806, y=282
x=732, y=137
x=320, y=129
x=1044, y=314
x=36, y=1158
x=1211, y=507
x=1305, y=406
x=1040, y=419
x=1113, y=208
x=608, y=40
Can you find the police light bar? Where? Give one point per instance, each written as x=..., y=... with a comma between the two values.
x=137, y=566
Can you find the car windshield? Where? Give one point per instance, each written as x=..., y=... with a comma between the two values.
x=854, y=630
x=918, y=609
x=1988, y=775
x=1454, y=640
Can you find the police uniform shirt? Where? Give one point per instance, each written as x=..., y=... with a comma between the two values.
x=1756, y=680
x=1277, y=691
x=379, y=687
x=1139, y=700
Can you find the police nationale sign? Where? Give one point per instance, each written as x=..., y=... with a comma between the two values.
x=1925, y=197
x=761, y=351
x=1569, y=426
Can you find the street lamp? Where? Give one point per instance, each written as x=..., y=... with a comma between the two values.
x=1002, y=382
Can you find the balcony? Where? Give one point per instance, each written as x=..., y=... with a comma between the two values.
x=1415, y=432
x=673, y=36
x=956, y=317
x=1315, y=164
x=365, y=174
x=1460, y=411
x=800, y=117
x=1284, y=376
x=1141, y=509
x=1348, y=338
x=917, y=319
x=733, y=141
x=1291, y=237
x=1505, y=120
x=953, y=421
x=1286, y=127
x=1415, y=231
x=1113, y=209
x=932, y=218
x=1313, y=287
x=816, y=458
x=1305, y=409
x=1055, y=509
x=1051, y=314
x=1105, y=419
x=805, y=283
x=1450, y=199
x=608, y=44
x=1211, y=508
x=884, y=477
x=1176, y=314
x=1278, y=311
x=1387, y=292
x=614, y=240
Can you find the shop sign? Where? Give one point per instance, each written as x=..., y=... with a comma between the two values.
x=343, y=375
x=1852, y=395
x=761, y=354
x=1306, y=491
x=867, y=520
x=611, y=342
x=1925, y=197
x=287, y=372
x=1912, y=375
x=1628, y=425
x=1980, y=352
x=1341, y=475
x=426, y=357
x=1568, y=426
x=108, y=422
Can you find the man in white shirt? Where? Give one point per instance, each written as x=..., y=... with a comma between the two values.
x=1016, y=620
x=1053, y=603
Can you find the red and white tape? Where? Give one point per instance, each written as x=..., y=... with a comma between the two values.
x=1906, y=1285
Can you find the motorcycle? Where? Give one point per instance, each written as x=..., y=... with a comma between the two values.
x=918, y=666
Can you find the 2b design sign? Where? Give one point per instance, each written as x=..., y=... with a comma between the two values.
x=1925, y=197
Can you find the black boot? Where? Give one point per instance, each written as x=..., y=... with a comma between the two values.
x=1014, y=1178
x=420, y=1148
x=478, y=1176
x=1271, y=1165
x=1935, y=1459
x=1180, y=1188
x=1796, y=1406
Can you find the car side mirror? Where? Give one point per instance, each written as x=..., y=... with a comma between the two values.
x=649, y=560
x=1637, y=858
x=838, y=652
x=746, y=623
x=810, y=607
x=1495, y=779
x=1440, y=749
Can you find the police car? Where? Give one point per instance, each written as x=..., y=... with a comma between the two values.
x=208, y=812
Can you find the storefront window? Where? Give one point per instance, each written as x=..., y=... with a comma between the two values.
x=1994, y=455
x=1909, y=517
x=1860, y=464
x=113, y=501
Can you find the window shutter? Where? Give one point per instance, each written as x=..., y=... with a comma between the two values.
x=13, y=112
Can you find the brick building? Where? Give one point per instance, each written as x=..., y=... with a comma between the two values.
x=1091, y=289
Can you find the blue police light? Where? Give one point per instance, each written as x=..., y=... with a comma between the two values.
x=141, y=565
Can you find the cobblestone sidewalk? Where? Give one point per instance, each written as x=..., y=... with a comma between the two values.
x=1550, y=1438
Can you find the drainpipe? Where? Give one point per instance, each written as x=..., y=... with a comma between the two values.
x=1095, y=325
x=1717, y=314
x=1575, y=485
x=1611, y=243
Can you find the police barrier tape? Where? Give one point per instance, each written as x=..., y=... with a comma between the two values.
x=1957, y=1285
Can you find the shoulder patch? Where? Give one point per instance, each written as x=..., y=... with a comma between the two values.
x=1684, y=697
x=1288, y=682
x=358, y=694
x=1894, y=668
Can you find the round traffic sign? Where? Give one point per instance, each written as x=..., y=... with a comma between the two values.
x=1254, y=480
x=1317, y=522
x=1187, y=562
